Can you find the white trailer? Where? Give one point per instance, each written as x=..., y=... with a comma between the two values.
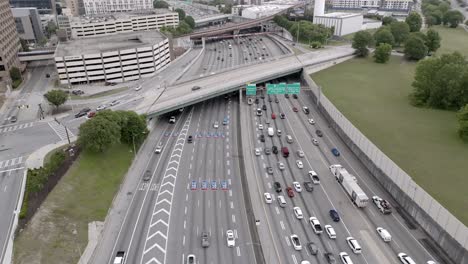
x=350, y=185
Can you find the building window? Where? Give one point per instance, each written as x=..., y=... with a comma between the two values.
x=19, y=25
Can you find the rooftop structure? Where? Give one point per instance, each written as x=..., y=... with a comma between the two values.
x=343, y=23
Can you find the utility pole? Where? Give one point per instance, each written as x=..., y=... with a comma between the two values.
x=68, y=137
x=41, y=112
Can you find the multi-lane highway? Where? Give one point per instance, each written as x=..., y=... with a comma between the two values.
x=358, y=223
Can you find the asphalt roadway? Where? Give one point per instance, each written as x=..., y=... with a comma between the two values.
x=358, y=223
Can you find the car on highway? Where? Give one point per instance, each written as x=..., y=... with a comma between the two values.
x=119, y=257
x=311, y=121
x=383, y=205
x=315, y=141
x=194, y=88
x=250, y=101
x=264, y=107
x=147, y=175
x=305, y=109
x=335, y=152
x=330, y=231
x=314, y=177
x=298, y=212
x=269, y=170
x=274, y=149
x=190, y=139
x=290, y=192
x=101, y=107
x=329, y=257
x=260, y=126
x=159, y=148
x=231, y=240
x=405, y=259
x=225, y=121
x=193, y=185
x=115, y=102
x=299, y=164
x=273, y=116
x=13, y=119
x=281, y=165
x=267, y=151
x=300, y=153
x=296, y=242
x=345, y=258
x=216, y=124
x=214, y=185
x=276, y=100
x=334, y=215
x=47, y=75
x=279, y=132
x=384, y=234
x=257, y=100
x=295, y=109
x=305, y=262
x=205, y=239
x=286, y=95
x=282, y=116
x=262, y=138
x=268, y=198
x=172, y=120
x=81, y=113
x=319, y=133
x=204, y=185
x=297, y=186
x=257, y=152
x=269, y=99
x=354, y=245
x=313, y=249
x=431, y=262
x=277, y=187
x=91, y=115
x=314, y=222
x=308, y=186
x=224, y=185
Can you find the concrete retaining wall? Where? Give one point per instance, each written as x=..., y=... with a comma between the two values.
x=447, y=231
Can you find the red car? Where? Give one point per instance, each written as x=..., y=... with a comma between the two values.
x=295, y=109
x=91, y=114
x=273, y=116
x=290, y=192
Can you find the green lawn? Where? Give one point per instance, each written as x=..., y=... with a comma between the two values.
x=423, y=142
x=58, y=233
x=453, y=39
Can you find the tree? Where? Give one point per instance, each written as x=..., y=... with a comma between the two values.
x=190, y=21
x=24, y=45
x=361, y=41
x=160, y=4
x=58, y=8
x=183, y=28
x=462, y=117
x=134, y=128
x=453, y=18
x=98, y=134
x=384, y=35
x=15, y=74
x=382, y=53
x=56, y=97
x=400, y=31
x=388, y=20
x=414, y=21
x=415, y=49
x=51, y=28
x=432, y=40
x=181, y=13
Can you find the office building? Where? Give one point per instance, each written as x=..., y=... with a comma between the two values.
x=43, y=6
x=28, y=24
x=93, y=7
x=76, y=7
x=344, y=23
x=391, y=5
x=9, y=44
x=112, y=59
x=63, y=22
x=115, y=23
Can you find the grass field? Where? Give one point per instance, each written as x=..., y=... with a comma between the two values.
x=423, y=142
x=58, y=232
x=453, y=39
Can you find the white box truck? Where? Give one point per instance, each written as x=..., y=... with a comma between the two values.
x=271, y=132
x=350, y=185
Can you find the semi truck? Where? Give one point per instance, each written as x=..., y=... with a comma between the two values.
x=349, y=183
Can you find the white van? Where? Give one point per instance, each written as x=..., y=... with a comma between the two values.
x=289, y=139
x=384, y=234
x=159, y=148
x=281, y=201
x=271, y=132
x=354, y=245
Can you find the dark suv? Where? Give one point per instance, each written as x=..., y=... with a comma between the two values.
x=275, y=149
x=190, y=139
x=334, y=215
x=277, y=186
x=82, y=112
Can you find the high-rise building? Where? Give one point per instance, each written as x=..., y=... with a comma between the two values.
x=9, y=44
x=43, y=6
x=93, y=7
x=76, y=7
x=28, y=24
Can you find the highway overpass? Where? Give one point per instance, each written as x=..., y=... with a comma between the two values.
x=181, y=95
x=36, y=55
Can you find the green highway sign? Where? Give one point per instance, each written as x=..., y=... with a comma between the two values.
x=293, y=88
x=279, y=88
x=251, y=89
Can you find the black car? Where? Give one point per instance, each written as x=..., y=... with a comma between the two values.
x=47, y=75
x=147, y=175
x=190, y=139
x=309, y=186
x=276, y=100
x=313, y=249
x=77, y=92
x=264, y=107
x=329, y=257
x=282, y=116
x=82, y=112
x=286, y=95
x=256, y=100
x=319, y=133
x=262, y=138
x=295, y=96
x=269, y=99
x=334, y=215
x=274, y=149
x=277, y=186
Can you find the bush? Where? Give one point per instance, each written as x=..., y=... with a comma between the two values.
x=315, y=45
x=16, y=83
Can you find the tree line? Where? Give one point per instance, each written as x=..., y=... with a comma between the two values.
x=186, y=23
x=438, y=12
x=316, y=34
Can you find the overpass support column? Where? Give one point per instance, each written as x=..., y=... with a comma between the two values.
x=236, y=32
x=203, y=42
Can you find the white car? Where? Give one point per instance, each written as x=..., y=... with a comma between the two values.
x=354, y=245
x=314, y=222
x=295, y=242
x=216, y=124
x=297, y=187
x=281, y=165
x=305, y=262
x=311, y=121
x=330, y=232
x=300, y=153
x=384, y=234
x=231, y=240
x=298, y=212
x=278, y=132
x=172, y=120
x=405, y=259
x=345, y=258
x=299, y=164
x=115, y=102
x=101, y=107
x=260, y=126
x=138, y=88
x=431, y=262
x=257, y=152
x=268, y=198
